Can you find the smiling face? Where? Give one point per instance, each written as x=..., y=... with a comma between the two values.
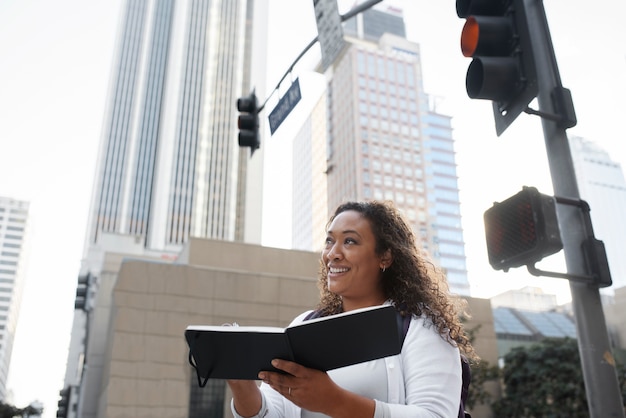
x=354, y=268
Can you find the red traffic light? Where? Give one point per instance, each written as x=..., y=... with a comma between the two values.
x=522, y=230
x=496, y=35
x=487, y=36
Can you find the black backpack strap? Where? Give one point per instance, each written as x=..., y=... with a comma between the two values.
x=403, y=323
x=312, y=315
x=466, y=373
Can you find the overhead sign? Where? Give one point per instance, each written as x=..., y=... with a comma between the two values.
x=285, y=106
x=329, y=30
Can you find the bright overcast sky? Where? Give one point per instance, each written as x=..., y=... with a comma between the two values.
x=56, y=61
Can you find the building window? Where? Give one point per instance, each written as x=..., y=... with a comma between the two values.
x=207, y=402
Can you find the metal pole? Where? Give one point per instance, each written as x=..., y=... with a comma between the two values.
x=601, y=383
x=348, y=15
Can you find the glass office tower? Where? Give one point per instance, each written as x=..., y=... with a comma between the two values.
x=384, y=141
x=14, y=216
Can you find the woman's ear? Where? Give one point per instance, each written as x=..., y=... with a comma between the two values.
x=386, y=260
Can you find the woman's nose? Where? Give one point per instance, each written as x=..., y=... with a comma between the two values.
x=333, y=253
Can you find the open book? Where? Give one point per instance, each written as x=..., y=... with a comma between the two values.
x=234, y=352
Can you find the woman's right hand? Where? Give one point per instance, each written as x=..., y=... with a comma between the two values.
x=246, y=397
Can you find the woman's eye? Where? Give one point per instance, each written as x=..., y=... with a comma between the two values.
x=350, y=241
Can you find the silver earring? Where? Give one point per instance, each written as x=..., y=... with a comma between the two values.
x=384, y=268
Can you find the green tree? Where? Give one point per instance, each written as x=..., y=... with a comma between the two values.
x=621, y=377
x=544, y=380
x=482, y=372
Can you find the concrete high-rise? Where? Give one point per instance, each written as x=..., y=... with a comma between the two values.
x=13, y=253
x=310, y=194
x=169, y=166
x=385, y=141
x=601, y=184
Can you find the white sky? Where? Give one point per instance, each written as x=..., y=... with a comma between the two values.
x=55, y=61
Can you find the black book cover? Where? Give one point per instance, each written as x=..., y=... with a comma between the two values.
x=232, y=352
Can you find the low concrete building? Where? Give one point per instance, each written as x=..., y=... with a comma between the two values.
x=146, y=370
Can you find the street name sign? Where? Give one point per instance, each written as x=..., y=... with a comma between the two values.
x=285, y=106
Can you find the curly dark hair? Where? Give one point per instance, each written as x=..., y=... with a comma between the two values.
x=412, y=282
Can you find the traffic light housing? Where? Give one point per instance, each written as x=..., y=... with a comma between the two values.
x=522, y=229
x=497, y=37
x=248, y=122
x=82, y=292
x=64, y=402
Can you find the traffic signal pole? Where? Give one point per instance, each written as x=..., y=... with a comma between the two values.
x=598, y=365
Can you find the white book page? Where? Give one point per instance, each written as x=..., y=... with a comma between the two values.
x=352, y=312
x=235, y=328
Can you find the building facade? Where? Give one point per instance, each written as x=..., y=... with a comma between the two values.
x=310, y=190
x=601, y=184
x=169, y=166
x=527, y=298
x=384, y=142
x=13, y=254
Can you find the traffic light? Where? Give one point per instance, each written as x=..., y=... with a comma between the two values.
x=64, y=402
x=82, y=292
x=502, y=70
x=522, y=229
x=248, y=122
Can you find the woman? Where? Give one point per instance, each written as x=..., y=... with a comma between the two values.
x=370, y=258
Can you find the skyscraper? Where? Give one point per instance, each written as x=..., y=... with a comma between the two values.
x=13, y=253
x=169, y=166
x=310, y=193
x=601, y=184
x=384, y=141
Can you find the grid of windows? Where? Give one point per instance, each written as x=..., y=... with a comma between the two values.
x=550, y=324
x=13, y=233
x=207, y=401
x=407, y=150
x=506, y=322
x=527, y=323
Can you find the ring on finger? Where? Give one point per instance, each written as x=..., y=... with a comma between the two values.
x=289, y=391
